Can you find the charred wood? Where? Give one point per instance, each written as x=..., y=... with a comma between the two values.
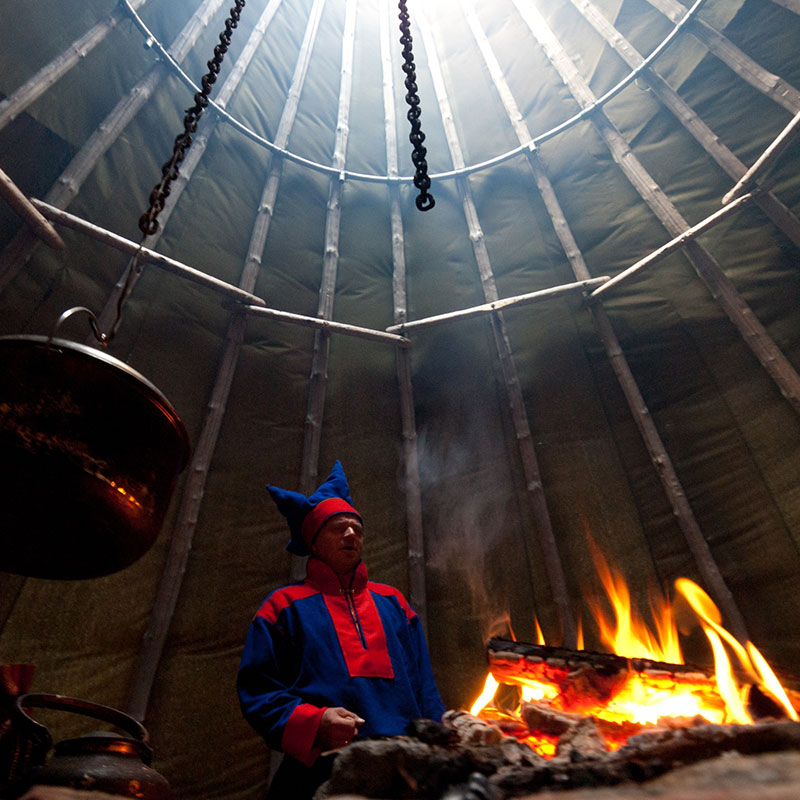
x=472, y=729
x=402, y=767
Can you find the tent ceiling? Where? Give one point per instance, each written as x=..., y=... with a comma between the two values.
x=661, y=420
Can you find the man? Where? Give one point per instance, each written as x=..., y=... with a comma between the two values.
x=335, y=656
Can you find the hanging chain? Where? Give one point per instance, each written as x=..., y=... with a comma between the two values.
x=148, y=222
x=424, y=199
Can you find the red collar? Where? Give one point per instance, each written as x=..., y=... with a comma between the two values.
x=320, y=576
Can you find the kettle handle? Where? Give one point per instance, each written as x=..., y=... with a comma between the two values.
x=41, y=735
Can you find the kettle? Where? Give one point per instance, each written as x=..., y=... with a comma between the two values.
x=101, y=761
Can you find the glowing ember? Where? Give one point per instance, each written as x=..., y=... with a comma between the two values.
x=626, y=703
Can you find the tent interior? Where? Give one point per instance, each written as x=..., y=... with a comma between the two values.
x=490, y=452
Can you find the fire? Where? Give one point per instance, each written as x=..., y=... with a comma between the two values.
x=647, y=697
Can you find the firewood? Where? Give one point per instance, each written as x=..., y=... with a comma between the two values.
x=472, y=729
x=549, y=721
x=581, y=741
x=687, y=745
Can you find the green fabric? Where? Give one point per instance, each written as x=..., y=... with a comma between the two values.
x=731, y=436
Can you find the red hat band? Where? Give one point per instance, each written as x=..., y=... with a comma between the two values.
x=321, y=513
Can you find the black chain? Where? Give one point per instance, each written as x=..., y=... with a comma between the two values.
x=424, y=200
x=148, y=224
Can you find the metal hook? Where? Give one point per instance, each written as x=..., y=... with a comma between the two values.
x=101, y=337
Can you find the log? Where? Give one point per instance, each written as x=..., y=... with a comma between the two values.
x=502, y=650
x=472, y=729
x=581, y=741
x=549, y=721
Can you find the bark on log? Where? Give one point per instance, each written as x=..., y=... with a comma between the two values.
x=472, y=729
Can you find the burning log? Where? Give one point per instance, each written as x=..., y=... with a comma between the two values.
x=596, y=670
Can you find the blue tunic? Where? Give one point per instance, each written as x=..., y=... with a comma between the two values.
x=313, y=645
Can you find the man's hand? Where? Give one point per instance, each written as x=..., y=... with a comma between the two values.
x=337, y=728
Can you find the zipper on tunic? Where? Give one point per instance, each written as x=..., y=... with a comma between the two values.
x=351, y=607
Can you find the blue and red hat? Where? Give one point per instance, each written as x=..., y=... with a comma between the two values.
x=307, y=515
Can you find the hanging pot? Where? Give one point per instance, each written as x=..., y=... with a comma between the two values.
x=89, y=453
x=102, y=761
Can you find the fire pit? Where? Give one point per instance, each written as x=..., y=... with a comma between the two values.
x=552, y=718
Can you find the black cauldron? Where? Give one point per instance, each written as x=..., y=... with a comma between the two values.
x=89, y=455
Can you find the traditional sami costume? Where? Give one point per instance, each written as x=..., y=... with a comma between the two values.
x=313, y=645
x=317, y=644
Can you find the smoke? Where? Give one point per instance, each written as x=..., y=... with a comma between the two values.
x=465, y=520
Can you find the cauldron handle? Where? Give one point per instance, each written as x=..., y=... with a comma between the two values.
x=40, y=736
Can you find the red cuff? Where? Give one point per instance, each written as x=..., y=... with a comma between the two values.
x=300, y=733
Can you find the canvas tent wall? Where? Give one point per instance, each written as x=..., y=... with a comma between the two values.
x=659, y=419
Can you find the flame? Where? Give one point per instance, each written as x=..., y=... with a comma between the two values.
x=486, y=696
x=539, y=634
x=648, y=697
x=628, y=636
x=750, y=658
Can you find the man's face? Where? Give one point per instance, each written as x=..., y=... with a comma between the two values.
x=339, y=542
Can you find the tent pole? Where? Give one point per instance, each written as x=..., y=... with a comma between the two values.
x=32, y=217
x=674, y=244
x=527, y=450
x=169, y=588
x=20, y=249
x=748, y=70
x=655, y=447
x=155, y=638
x=500, y=305
x=721, y=287
x=13, y=105
x=208, y=127
x=781, y=216
x=766, y=160
x=318, y=378
x=130, y=247
x=412, y=490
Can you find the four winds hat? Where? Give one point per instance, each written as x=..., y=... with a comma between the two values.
x=307, y=515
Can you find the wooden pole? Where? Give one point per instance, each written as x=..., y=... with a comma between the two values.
x=499, y=305
x=328, y=326
x=418, y=594
x=761, y=79
x=29, y=213
x=19, y=250
x=149, y=256
x=36, y=86
x=318, y=378
x=781, y=216
x=647, y=429
x=766, y=160
x=208, y=127
x=155, y=638
x=527, y=450
x=708, y=270
x=792, y=5
x=673, y=245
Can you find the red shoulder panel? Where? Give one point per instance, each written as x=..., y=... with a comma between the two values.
x=283, y=598
x=385, y=590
